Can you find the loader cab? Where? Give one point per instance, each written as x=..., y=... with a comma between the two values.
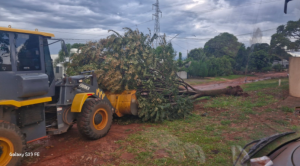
x=26, y=80
x=26, y=67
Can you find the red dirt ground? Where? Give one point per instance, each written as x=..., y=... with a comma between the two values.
x=72, y=149
x=240, y=81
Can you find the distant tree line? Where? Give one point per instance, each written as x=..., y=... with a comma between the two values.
x=225, y=55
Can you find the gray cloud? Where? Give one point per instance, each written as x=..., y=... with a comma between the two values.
x=197, y=20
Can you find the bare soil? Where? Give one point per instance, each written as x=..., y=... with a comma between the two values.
x=240, y=81
x=72, y=149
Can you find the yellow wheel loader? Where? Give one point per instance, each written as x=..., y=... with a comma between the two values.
x=34, y=105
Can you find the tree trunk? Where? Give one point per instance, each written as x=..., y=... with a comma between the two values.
x=234, y=91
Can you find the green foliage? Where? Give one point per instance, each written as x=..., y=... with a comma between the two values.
x=77, y=45
x=258, y=57
x=261, y=47
x=194, y=68
x=196, y=54
x=266, y=69
x=211, y=67
x=62, y=57
x=292, y=31
x=282, y=39
x=225, y=122
x=224, y=44
x=129, y=62
x=287, y=109
x=241, y=58
x=219, y=67
x=180, y=63
x=259, y=60
x=203, y=70
x=278, y=67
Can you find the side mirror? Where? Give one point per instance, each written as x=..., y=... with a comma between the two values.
x=285, y=5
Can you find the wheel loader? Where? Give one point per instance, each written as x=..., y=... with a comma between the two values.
x=33, y=105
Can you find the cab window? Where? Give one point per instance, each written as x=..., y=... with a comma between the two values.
x=5, y=60
x=27, y=52
x=48, y=61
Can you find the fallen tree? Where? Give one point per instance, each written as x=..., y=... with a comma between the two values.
x=130, y=62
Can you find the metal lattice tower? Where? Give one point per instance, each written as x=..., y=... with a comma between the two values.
x=156, y=25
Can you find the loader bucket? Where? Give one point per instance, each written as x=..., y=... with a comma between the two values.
x=125, y=103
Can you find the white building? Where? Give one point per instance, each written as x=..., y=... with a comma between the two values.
x=59, y=69
x=182, y=74
x=284, y=63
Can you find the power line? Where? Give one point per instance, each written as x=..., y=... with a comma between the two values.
x=233, y=34
x=160, y=11
x=101, y=35
x=211, y=38
x=180, y=38
x=177, y=45
x=142, y=23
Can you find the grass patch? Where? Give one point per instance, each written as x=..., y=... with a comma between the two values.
x=195, y=81
x=209, y=128
x=196, y=140
x=282, y=122
x=248, y=111
x=225, y=122
x=144, y=155
x=119, y=141
x=265, y=84
x=203, y=98
x=287, y=109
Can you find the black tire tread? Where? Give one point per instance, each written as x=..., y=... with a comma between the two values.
x=14, y=129
x=83, y=122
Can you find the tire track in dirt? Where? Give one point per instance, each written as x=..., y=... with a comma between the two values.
x=72, y=149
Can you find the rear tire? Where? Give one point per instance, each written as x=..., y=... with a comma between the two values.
x=95, y=119
x=11, y=141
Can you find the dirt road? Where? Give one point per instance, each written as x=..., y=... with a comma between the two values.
x=240, y=81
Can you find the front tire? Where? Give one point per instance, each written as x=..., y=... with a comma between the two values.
x=11, y=141
x=95, y=119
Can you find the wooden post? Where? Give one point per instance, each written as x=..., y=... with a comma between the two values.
x=279, y=82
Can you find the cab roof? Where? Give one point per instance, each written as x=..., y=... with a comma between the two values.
x=36, y=32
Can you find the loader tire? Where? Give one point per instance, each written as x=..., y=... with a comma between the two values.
x=12, y=141
x=95, y=119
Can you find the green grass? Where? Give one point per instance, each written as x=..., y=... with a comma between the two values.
x=282, y=122
x=225, y=122
x=196, y=140
x=287, y=109
x=203, y=98
x=194, y=81
x=273, y=83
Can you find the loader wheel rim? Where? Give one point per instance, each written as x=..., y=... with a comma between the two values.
x=6, y=148
x=100, y=124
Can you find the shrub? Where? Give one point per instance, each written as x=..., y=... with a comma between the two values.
x=278, y=67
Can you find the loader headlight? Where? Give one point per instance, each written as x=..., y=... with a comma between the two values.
x=79, y=81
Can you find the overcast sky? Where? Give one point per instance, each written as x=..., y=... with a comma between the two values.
x=195, y=21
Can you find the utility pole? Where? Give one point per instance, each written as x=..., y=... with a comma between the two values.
x=156, y=25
